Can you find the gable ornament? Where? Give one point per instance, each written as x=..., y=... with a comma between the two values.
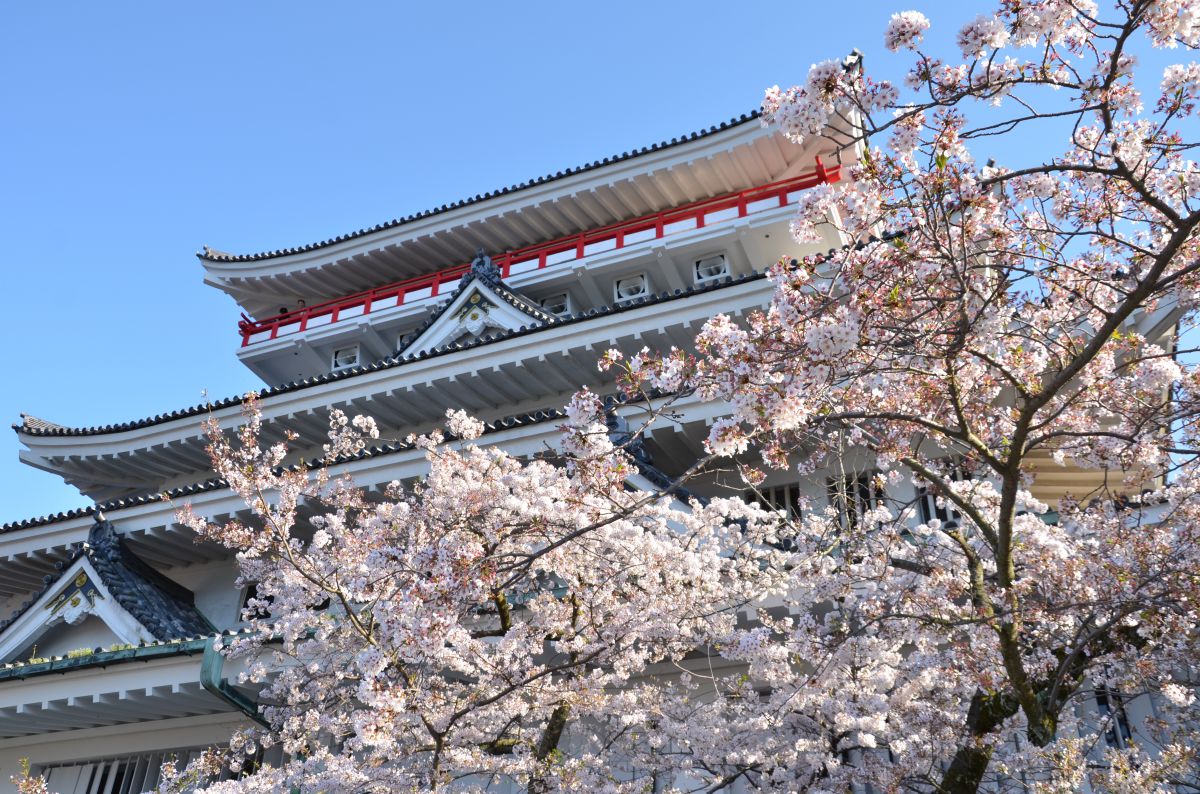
x=75, y=602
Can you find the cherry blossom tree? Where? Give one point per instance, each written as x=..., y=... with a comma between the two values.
x=536, y=623
x=449, y=633
x=982, y=324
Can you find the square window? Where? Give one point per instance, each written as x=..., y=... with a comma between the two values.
x=712, y=267
x=345, y=357
x=631, y=287
x=557, y=304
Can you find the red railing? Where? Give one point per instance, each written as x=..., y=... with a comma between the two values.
x=696, y=215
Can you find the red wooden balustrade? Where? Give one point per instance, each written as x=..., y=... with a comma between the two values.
x=563, y=249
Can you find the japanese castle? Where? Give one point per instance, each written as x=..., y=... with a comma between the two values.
x=499, y=304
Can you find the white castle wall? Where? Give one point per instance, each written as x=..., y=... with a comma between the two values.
x=217, y=597
x=92, y=633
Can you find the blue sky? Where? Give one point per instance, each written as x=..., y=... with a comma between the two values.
x=134, y=133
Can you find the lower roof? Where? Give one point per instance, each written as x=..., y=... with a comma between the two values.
x=216, y=483
x=100, y=657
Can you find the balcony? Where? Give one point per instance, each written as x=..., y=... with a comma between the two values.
x=573, y=248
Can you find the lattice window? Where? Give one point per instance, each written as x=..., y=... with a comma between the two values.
x=251, y=593
x=130, y=774
x=931, y=506
x=777, y=497
x=853, y=495
x=784, y=498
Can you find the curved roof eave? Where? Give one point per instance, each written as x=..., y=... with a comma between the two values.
x=521, y=420
x=32, y=426
x=216, y=483
x=212, y=255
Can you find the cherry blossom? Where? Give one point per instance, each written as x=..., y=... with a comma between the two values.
x=452, y=633
x=984, y=33
x=905, y=30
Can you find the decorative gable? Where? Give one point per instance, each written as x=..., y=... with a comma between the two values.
x=77, y=594
x=481, y=303
x=77, y=600
x=475, y=315
x=103, y=579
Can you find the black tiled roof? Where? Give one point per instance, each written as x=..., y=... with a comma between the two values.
x=46, y=429
x=34, y=423
x=164, y=607
x=213, y=255
x=216, y=483
x=167, y=609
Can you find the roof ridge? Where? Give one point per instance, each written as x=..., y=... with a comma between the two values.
x=33, y=421
x=211, y=254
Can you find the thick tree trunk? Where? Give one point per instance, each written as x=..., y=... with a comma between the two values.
x=965, y=774
x=551, y=735
x=553, y=732
x=966, y=771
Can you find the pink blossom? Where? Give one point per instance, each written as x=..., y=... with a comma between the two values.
x=984, y=33
x=461, y=425
x=905, y=30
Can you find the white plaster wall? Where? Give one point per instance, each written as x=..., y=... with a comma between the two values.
x=91, y=633
x=217, y=598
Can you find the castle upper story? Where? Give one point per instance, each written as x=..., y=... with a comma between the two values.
x=669, y=217
x=499, y=304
